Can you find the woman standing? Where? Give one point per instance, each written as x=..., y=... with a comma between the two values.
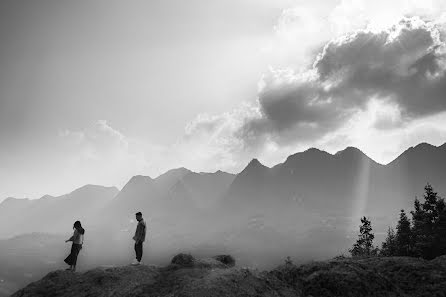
x=78, y=240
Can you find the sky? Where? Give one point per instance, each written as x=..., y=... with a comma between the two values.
x=95, y=92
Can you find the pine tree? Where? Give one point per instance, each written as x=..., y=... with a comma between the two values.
x=403, y=235
x=429, y=222
x=431, y=219
x=389, y=246
x=418, y=222
x=426, y=236
x=364, y=244
x=440, y=240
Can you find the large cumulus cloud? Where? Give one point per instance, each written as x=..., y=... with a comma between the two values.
x=403, y=66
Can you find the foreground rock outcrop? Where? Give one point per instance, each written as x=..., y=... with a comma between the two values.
x=186, y=276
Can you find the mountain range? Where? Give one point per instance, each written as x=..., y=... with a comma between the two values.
x=309, y=188
x=307, y=207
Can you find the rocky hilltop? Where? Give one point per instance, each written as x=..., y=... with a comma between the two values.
x=218, y=276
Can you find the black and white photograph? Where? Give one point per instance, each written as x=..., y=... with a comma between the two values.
x=213, y=148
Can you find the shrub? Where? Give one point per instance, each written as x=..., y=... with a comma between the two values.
x=225, y=259
x=183, y=260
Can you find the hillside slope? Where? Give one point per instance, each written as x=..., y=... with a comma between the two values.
x=341, y=277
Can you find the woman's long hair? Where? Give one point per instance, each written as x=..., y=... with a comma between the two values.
x=77, y=225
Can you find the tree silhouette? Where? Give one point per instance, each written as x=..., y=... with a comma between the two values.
x=389, y=246
x=364, y=244
x=403, y=235
x=426, y=223
x=426, y=236
x=418, y=222
x=440, y=240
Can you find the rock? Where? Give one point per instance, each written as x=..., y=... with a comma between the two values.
x=185, y=260
x=225, y=259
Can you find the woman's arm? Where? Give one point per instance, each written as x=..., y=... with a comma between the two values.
x=72, y=237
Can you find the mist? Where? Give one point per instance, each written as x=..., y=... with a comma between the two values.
x=306, y=208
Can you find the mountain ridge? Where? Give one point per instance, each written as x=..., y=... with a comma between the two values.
x=184, y=171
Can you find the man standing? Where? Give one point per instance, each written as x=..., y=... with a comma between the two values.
x=140, y=236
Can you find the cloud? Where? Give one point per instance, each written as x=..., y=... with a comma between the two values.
x=366, y=81
x=351, y=15
x=95, y=140
x=103, y=154
x=379, y=81
x=210, y=141
x=403, y=65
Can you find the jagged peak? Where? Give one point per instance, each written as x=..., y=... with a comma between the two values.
x=181, y=171
x=254, y=167
x=255, y=163
x=218, y=172
x=139, y=179
x=310, y=151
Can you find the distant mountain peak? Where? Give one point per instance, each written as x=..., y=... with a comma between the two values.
x=218, y=172
x=424, y=145
x=254, y=168
x=12, y=200
x=170, y=177
x=47, y=197
x=176, y=172
x=255, y=163
x=139, y=179
x=87, y=188
x=179, y=170
x=351, y=153
x=313, y=150
x=421, y=147
x=350, y=150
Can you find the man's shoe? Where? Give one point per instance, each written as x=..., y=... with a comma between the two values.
x=135, y=262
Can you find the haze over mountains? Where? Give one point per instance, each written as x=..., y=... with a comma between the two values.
x=307, y=207
x=347, y=183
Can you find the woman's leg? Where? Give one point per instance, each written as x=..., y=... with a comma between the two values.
x=76, y=253
x=70, y=258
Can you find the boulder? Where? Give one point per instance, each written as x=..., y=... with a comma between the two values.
x=225, y=259
x=186, y=260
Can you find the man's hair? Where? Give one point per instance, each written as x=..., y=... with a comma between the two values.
x=138, y=213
